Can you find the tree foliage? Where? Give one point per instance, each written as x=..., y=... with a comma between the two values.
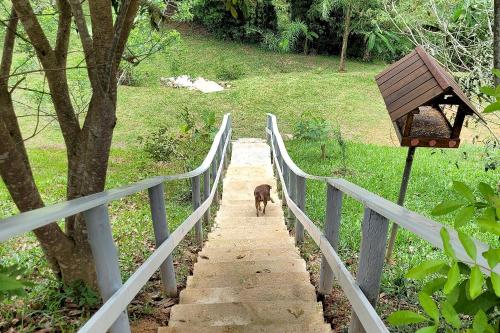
x=457, y=33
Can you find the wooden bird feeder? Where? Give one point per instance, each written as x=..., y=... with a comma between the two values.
x=422, y=100
x=417, y=91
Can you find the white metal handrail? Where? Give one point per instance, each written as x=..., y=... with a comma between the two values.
x=112, y=315
x=111, y=310
x=362, y=292
x=22, y=223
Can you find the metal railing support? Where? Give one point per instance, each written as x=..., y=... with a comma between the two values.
x=280, y=186
x=301, y=202
x=371, y=260
x=292, y=193
x=160, y=226
x=195, y=190
x=206, y=193
x=226, y=163
x=105, y=255
x=269, y=136
x=219, y=160
x=286, y=185
x=332, y=227
x=214, y=175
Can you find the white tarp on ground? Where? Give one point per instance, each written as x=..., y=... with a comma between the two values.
x=184, y=81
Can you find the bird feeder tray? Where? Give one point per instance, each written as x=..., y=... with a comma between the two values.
x=417, y=91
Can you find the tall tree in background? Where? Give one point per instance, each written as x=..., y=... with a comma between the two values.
x=348, y=7
x=87, y=144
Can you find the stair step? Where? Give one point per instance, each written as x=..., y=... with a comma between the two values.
x=250, y=221
x=296, y=292
x=249, y=277
x=224, y=255
x=263, y=223
x=271, y=328
x=247, y=233
x=245, y=268
x=246, y=313
x=251, y=281
x=248, y=244
x=248, y=210
x=250, y=171
x=243, y=177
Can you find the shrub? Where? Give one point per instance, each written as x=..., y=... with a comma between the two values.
x=312, y=128
x=186, y=144
x=241, y=21
x=161, y=146
x=288, y=38
x=456, y=295
x=228, y=72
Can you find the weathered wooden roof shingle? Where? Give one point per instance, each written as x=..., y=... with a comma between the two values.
x=416, y=80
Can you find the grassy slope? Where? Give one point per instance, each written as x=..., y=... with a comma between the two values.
x=269, y=83
x=283, y=84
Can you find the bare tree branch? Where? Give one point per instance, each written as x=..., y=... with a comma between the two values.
x=88, y=45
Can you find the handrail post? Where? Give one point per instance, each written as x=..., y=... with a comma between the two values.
x=280, y=166
x=222, y=143
x=206, y=193
x=229, y=144
x=286, y=184
x=106, y=259
x=332, y=227
x=371, y=260
x=269, y=136
x=195, y=190
x=214, y=176
x=219, y=160
x=160, y=226
x=293, y=195
x=301, y=202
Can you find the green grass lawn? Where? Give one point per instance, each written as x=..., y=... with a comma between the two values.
x=284, y=84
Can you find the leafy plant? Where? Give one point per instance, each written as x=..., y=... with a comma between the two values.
x=164, y=145
x=81, y=295
x=287, y=38
x=493, y=93
x=382, y=43
x=236, y=19
x=161, y=146
x=453, y=289
x=342, y=144
x=312, y=128
x=10, y=282
x=228, y=72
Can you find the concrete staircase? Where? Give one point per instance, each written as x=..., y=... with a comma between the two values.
x=249, y=276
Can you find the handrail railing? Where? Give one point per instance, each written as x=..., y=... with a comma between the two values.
x=112, y=315
x=364, y=291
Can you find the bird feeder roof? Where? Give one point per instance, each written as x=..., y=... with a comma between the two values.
x=417, y=80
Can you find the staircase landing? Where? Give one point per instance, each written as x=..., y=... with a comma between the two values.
x=249, y=277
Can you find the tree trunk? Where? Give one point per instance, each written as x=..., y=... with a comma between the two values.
x=88, y=147
x=366, y=54
x=68, y=261
x=345, y=37
x=496, y=39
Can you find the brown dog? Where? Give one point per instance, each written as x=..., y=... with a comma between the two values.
x=262, y=193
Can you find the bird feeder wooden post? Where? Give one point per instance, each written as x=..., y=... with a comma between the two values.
x=422, y=100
